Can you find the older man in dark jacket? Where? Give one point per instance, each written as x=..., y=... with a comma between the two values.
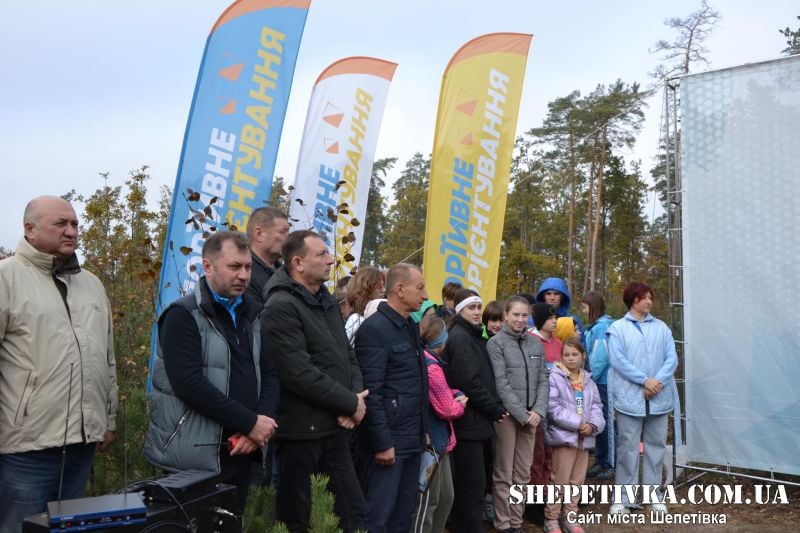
x=321, y=389
x=393, y=366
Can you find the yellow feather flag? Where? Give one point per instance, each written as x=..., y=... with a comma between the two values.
x=471, y=162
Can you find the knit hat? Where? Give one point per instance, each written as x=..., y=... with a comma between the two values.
x=418, y=315
x=541, y=312
x=566, y=328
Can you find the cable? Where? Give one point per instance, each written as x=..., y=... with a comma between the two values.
x=166, y=523
x=156, y=483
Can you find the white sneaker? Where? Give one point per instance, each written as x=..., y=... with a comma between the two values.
x=618, y=508
x=658, y=507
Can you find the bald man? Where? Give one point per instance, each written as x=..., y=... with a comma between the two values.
x=58, y=384
x=394, y=371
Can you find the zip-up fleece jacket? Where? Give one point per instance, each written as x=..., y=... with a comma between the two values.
x=317, y=368
x=42, y=335
x=520, y=373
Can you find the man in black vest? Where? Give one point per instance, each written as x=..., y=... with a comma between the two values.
x=321, y=390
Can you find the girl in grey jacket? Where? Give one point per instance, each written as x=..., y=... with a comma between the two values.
x=522, y=384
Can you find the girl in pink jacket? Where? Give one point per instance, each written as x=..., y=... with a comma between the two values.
x=446, y=405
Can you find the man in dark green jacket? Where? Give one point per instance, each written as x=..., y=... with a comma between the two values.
x=321, y=389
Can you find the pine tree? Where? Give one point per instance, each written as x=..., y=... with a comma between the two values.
x=376, y=220
x=405, y=232
x=279, y=195
x=792, y=40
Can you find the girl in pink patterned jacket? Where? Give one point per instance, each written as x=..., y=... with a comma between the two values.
x=446, y=405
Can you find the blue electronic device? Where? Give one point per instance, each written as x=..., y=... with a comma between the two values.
x=101, y=512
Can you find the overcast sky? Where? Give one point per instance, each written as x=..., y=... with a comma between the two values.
x=105, y=86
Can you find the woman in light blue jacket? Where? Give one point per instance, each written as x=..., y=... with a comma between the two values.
x=641, y=390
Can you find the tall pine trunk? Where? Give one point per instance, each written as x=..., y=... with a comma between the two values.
x=589, y=218
x=598, y=209
x=571, y=235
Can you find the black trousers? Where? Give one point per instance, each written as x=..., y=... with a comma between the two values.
x=236, y=470
x=469, y=485
x=297, y=460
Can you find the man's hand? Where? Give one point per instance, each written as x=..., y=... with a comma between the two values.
x=346, y=422
x=361, y=407
x=533, y=419
x=386, y=457
x=244, y=445
x=108, y=439
x=263, y=430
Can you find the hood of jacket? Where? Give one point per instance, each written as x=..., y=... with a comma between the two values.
x=605, y=320
x=556, y=284
x=556, y=369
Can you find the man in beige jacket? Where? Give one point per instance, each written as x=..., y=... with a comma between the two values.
x=58, y=385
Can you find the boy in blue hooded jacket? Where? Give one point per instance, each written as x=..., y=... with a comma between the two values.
x=554, y=292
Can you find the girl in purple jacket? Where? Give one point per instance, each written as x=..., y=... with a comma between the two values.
x=574, y=417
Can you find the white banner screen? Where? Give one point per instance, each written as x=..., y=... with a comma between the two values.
x=741, y=229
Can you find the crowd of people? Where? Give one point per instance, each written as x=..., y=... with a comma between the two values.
x=264, y=375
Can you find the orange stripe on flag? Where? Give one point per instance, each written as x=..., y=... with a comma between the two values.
x=243, y=7
x=231, y=73
x=466, y=140
x=509, y=43
x=359, y=65
x=229, y=108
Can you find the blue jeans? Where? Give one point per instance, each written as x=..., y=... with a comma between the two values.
x=29, y=480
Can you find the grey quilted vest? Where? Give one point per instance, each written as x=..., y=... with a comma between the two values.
x=174, y=427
